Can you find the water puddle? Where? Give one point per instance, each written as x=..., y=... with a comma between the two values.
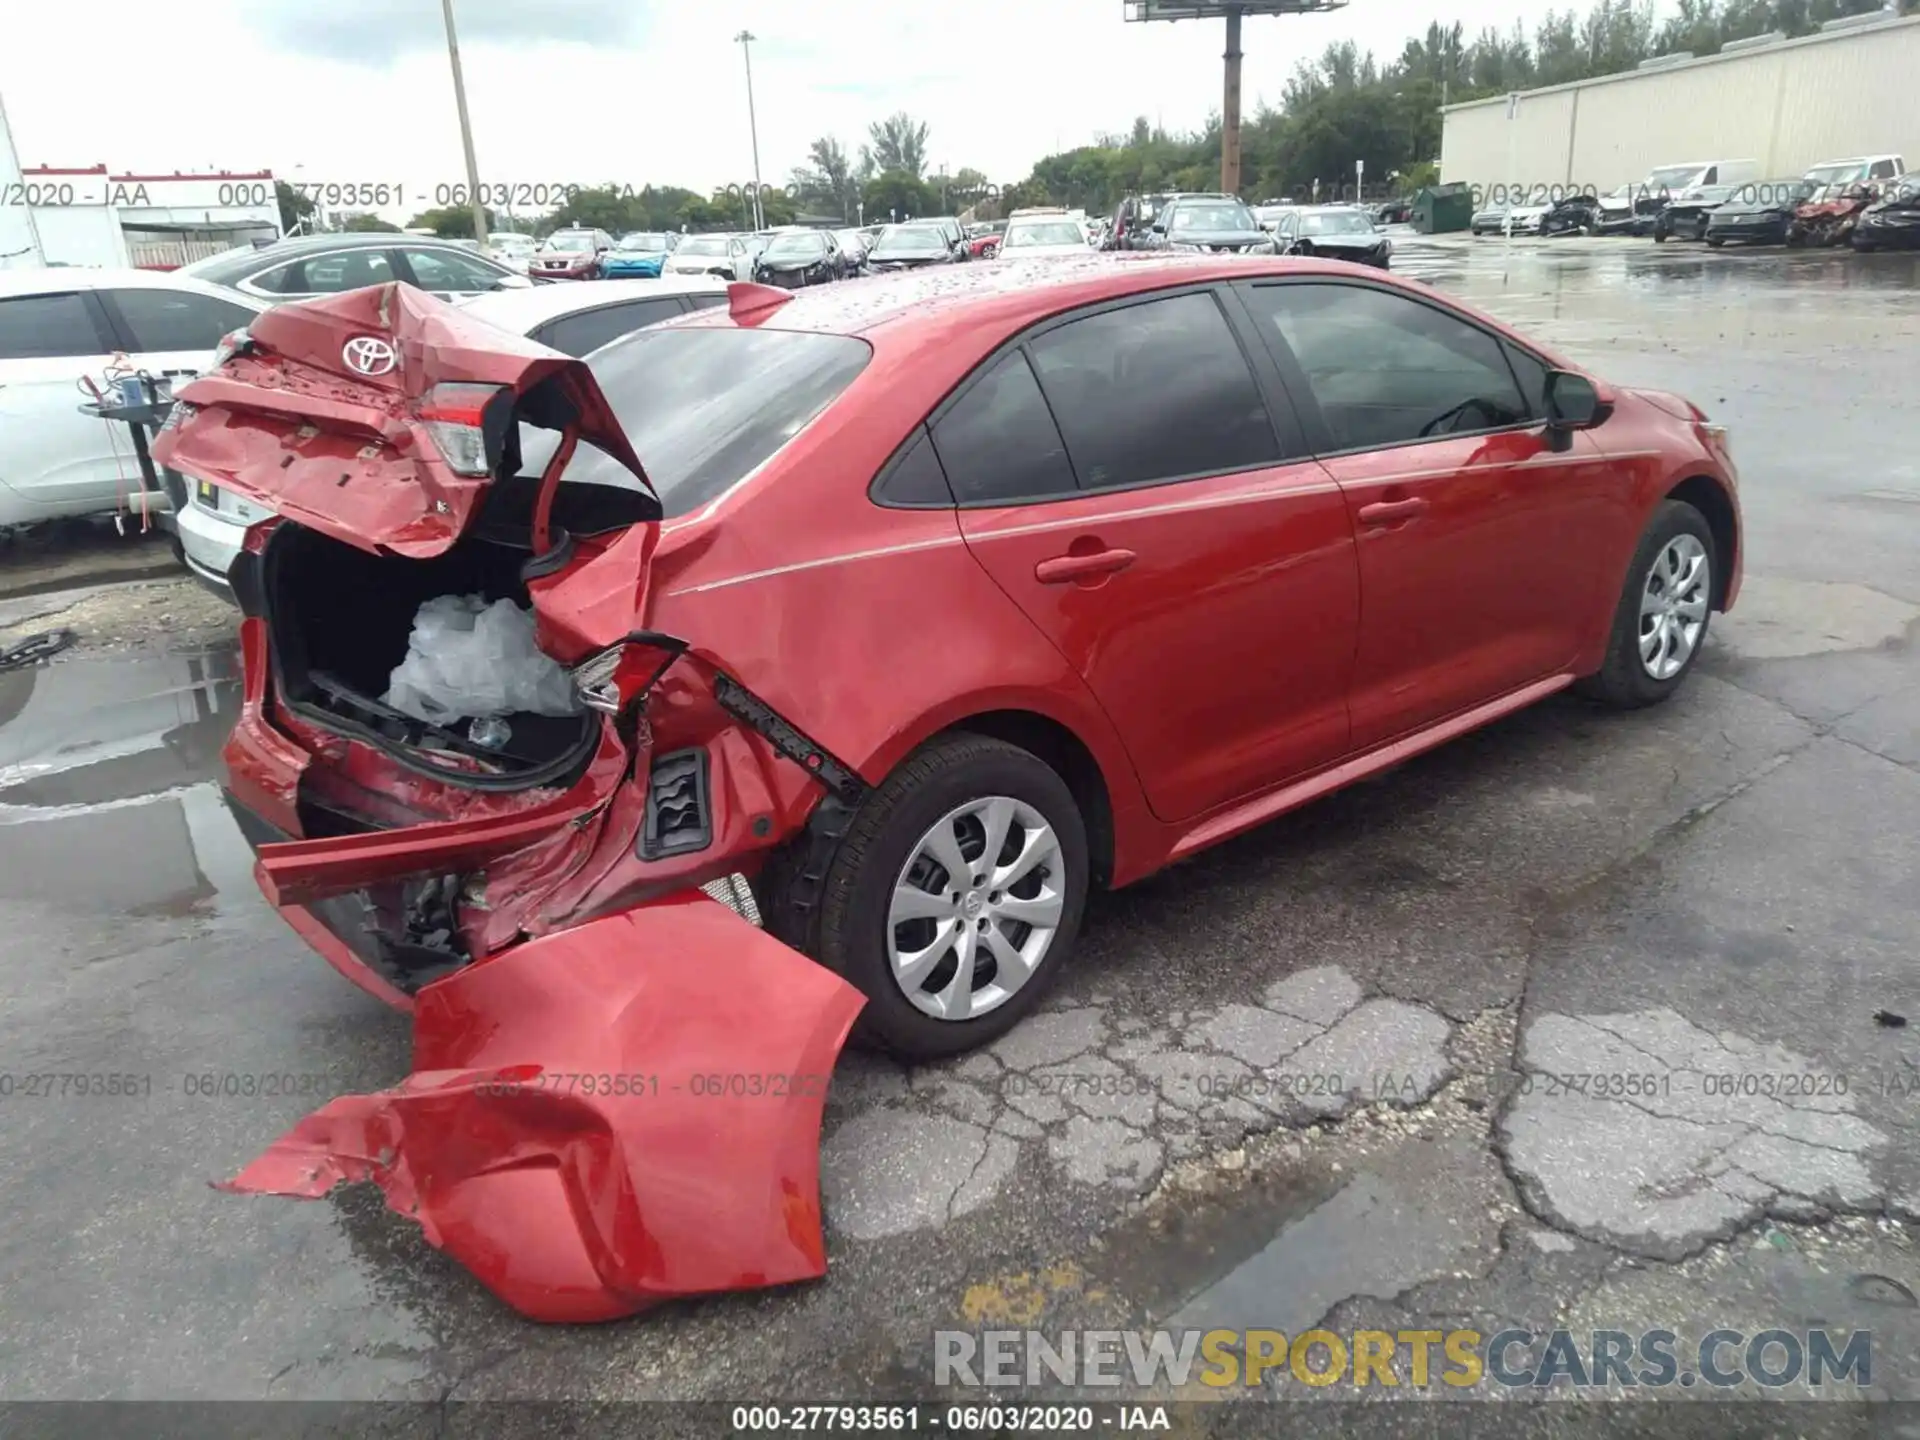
x=109, y=799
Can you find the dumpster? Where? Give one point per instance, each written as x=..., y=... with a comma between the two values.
x=1438, y=209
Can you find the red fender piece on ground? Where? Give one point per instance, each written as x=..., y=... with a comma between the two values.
x=603, y=1118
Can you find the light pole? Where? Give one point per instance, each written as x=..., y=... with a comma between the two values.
x=745, y=41
x=34, y=247
x=466, y=129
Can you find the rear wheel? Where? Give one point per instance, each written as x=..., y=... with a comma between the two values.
x=955, y=897
x=1660, y=623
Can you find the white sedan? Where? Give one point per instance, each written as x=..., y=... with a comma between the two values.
x=1043, y=238
x=573, y=319
x=60, y=325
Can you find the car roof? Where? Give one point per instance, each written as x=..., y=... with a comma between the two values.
x=1018, y=290
x=59, y=279
x=522, y=310
x=245, y=260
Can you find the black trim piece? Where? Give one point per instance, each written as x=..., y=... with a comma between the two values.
x=249, y=588
x=558, y=554
x=769, y=724
x=686, y=771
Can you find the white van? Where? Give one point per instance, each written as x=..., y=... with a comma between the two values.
x=1680, y=182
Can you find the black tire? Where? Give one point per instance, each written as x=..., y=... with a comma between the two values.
x=1622, y=681
x=848, y=933
x=1713, y=244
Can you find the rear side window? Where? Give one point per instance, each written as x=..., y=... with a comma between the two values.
x=1154, y=392
x=586, y=332
x=704, y=408
x=998, y=443
x=40, y=327
x=162, y=320
x=915, y=480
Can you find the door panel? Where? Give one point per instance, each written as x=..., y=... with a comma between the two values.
x=1221, y=650
x=55, y=460
x=1478, y=570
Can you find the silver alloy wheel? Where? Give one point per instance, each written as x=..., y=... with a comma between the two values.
x=975, y=908
x=1673, y=606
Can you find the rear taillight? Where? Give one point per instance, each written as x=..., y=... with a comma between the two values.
x=468, y=424
x=615, y=677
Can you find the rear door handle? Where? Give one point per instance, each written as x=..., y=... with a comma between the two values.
x=1063, y=568
x=1386, y=512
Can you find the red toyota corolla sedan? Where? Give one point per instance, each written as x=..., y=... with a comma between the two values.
x=901, y=615
x=927, y=604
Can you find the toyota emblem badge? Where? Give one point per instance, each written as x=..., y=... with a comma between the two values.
x=368, y=355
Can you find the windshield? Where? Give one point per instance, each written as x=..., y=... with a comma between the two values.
x=648, y=244
x=1211, y=219
x=1672, y=177
x=910, y=240
x=1336, y=222
x=569, y=242
x=704, y=245
x=704, y=408
x=511, y=240
x=799, y=247
x=1846, y=174
x=1044, y=232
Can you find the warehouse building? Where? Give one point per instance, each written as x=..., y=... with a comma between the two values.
x=1847, y=90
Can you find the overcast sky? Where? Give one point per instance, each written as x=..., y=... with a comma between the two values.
x=637, y=91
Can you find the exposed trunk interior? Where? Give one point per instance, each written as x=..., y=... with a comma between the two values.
x=340, y=621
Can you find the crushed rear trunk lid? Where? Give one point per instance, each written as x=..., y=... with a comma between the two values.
x=380, y=417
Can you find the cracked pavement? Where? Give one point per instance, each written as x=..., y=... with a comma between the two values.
x=1572, y=1022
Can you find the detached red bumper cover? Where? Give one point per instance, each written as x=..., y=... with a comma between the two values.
x=603, y=1118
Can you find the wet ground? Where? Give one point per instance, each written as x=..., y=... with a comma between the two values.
x=1364, y=1068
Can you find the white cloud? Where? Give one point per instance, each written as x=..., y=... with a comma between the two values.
x=634, y=91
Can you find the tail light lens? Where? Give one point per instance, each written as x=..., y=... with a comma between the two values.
x=615, y=677
x=468, y=424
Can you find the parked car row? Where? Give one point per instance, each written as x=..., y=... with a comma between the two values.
x=1868, y=201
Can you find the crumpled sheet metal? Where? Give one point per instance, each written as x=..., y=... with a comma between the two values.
x=603, y=1118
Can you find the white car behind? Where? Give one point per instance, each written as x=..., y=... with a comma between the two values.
x=60, y=325
x=1044, y=237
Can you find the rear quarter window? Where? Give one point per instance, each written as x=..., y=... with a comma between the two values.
x=705, y=408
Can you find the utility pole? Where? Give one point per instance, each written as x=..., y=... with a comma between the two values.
x=466, y=128
x=1230, y=109
x=38, y=250
x=745, y=41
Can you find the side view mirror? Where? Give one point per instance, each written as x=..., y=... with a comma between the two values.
x=1159, y=229
x=1572, y=402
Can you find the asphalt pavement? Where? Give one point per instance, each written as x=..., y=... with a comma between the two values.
x=1328, y=1074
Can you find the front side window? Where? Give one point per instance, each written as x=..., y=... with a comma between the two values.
x=42, y=327
x=1154, y=391
x=163, y=320
x=1389, y=370
x=328, y=274
x=445, y=270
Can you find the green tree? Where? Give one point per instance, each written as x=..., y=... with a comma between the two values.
x=898, y=144
x=897, y=195
x=296, y=210
x=369, y=224
x=451, y=222
x=826, y=182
